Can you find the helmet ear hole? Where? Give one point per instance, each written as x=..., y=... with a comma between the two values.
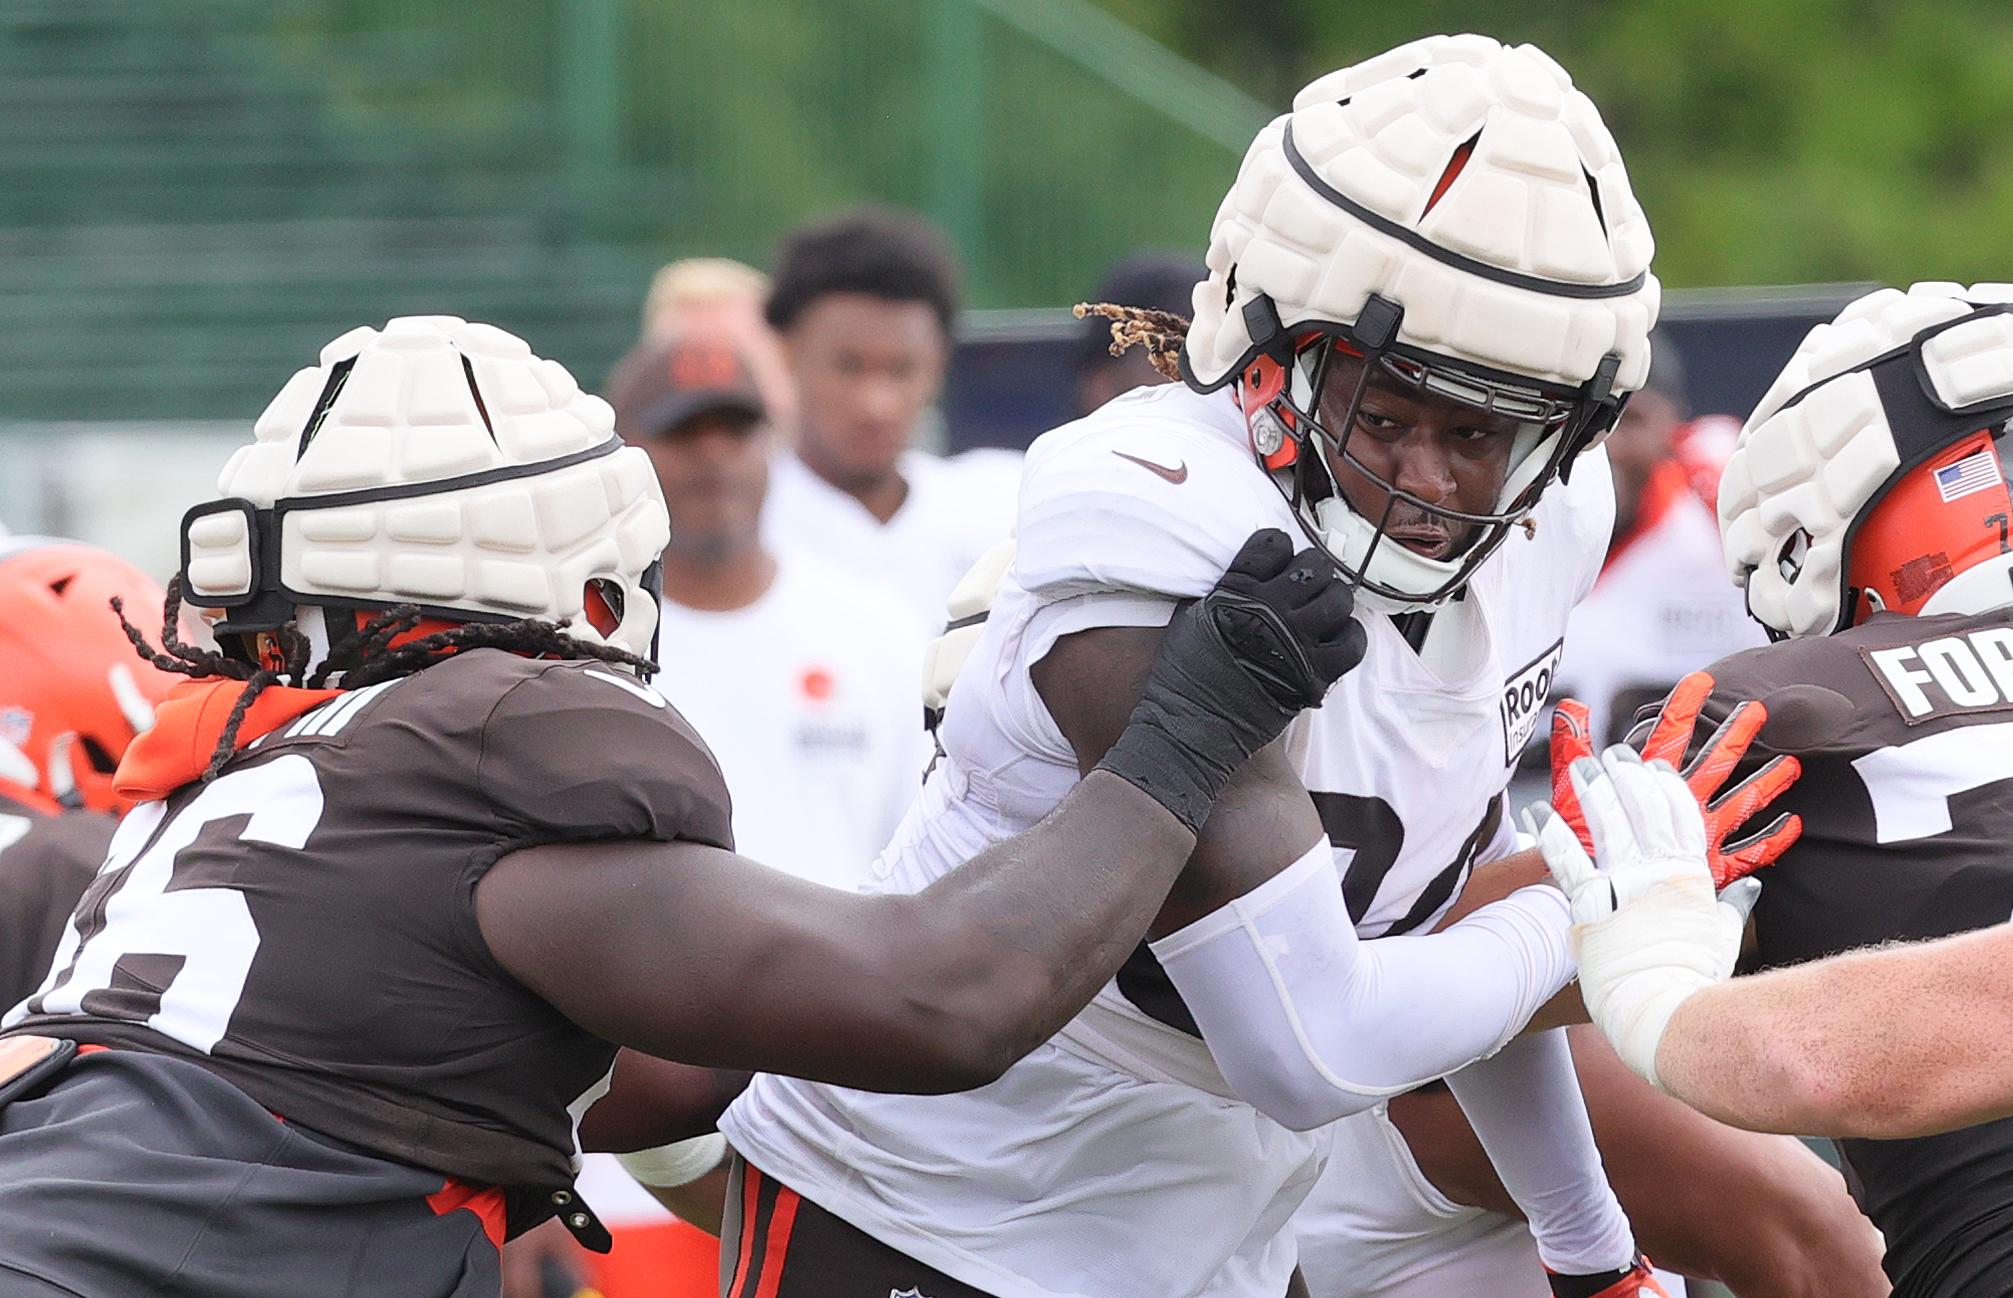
x=1789, y=558
x=603, y=604
x=101, y=761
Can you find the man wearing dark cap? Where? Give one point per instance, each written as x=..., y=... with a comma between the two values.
x=801, y=677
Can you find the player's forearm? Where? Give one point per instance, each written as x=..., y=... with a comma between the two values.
x=1031, y=928
x=1886, y=1044
x=944, y=989
x=653, y=1101
x=1495, y=880
x=1309, y=1024
x=1525, y=1107
x=700, y=1203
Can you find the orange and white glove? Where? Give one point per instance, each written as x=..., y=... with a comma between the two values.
x=1649, y=927
x=1724, y=813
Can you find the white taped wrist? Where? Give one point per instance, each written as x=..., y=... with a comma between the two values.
x=678, y=1163
x=1639, y=964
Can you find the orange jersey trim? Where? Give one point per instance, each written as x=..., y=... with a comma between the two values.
x=188, y=725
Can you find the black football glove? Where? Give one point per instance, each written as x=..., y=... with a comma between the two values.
x=1235, y=667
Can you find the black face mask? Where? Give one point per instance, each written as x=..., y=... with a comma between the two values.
x=1570, y=420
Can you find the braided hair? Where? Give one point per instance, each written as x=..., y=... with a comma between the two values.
x=362, y=659
x=1160, y=332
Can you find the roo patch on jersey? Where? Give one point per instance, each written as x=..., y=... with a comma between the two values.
x=1523, y=700
x=1948, y=676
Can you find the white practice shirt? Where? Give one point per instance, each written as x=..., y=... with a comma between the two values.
x=1115, y=1161
x=810, y=700
x=955, y=511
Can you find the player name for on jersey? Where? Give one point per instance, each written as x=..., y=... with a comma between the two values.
x=1525, y=694
x=1947, y=676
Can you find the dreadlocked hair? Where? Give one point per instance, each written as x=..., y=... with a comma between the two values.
x=531, y=637
x=363, y=659
x=1160, y=332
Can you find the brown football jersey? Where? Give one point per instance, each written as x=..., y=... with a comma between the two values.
x=1904, y=727
x=304, y=924
x=46, y=862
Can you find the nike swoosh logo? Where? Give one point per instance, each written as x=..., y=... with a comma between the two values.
x=1176, y=475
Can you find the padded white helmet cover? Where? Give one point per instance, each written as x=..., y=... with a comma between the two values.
x=428, y=400
x=1382, y=133
x=1818, y=452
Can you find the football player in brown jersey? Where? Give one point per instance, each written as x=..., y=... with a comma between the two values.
x=1866, y=515
x=419, y=848
x=72, y=697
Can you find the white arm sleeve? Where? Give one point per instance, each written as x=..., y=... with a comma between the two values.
x=679, y=1163
x=1524, y=1103
x=1310, y=1024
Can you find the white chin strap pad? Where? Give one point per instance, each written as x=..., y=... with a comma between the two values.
x=1310, y=1024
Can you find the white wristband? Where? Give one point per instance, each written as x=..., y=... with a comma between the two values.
x=678, y=1163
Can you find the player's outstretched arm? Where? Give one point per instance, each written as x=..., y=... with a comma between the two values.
x=689, y=952
x=1890, y=1043
x=1886, y=1044
x=1335, y=1028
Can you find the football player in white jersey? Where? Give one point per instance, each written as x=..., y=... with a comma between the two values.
x=1428, y=293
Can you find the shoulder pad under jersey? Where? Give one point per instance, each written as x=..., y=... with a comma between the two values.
x=1143, y=496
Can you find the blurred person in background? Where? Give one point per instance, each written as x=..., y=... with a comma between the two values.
x=802, y=678
x=865, y=303
x=718, y=297
x=1662, y=606
x=73, y=695
x=1158, y=281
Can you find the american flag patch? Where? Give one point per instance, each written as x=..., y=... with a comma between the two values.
x=1972, y=473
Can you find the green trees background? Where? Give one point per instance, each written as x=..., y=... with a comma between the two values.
x=1771, y=140
x=195, y=194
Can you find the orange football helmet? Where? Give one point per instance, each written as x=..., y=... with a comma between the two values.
x=1945, y=516
x=73, y=693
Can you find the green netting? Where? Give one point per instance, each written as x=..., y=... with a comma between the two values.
x=195, y=195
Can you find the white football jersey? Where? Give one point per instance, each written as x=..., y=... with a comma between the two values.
x=1114, y=1161
x=955, y=510
x=807, y=698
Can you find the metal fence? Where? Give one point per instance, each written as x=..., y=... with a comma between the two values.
x=195, y=194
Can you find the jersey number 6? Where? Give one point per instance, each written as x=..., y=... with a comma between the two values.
x=153, y=942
